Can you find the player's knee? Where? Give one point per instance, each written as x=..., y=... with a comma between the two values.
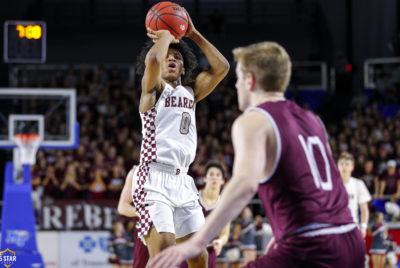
x=157, y=242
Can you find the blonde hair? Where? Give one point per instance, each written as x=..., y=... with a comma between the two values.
x=346, y=156
x=268, y=62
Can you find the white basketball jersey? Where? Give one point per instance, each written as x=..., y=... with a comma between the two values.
x=169, y=128
x=358, y=194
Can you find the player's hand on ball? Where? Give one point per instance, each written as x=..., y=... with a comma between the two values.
x=157, y=35
x=191, y=29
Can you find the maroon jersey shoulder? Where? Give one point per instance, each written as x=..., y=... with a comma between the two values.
x=305, y=186
x=206, y=210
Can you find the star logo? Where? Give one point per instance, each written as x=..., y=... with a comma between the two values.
x=7, y=257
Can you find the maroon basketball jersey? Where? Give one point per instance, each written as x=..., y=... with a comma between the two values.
x=206, y=210
x=305, y=188
x=212, y=255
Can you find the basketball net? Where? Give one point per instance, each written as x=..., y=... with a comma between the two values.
x=25, y=153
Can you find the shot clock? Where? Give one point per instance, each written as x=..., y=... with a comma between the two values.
x=24, y=41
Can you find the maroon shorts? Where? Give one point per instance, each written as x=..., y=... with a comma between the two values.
x=140, y=253
x=326, y=251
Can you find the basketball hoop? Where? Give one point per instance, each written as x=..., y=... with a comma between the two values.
x=28, y=145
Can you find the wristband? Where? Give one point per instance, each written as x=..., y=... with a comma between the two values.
x=363, y=225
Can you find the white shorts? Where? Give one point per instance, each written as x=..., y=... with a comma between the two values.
x=171, y=200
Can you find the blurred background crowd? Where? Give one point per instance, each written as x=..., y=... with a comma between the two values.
x=110, y=140
x=110, y=137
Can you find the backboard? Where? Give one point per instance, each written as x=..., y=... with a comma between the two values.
x=51, y=113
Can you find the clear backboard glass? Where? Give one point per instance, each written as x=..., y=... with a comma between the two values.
x=51, y=113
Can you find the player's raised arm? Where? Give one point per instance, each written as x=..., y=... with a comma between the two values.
x=207, y=80
x=152, y=74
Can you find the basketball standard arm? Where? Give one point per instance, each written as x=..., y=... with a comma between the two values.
x=124, y=205
x=249, y=134
x=207, y=80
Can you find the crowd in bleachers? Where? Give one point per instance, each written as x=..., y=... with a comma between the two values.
x=374, y=142
x=110, y=136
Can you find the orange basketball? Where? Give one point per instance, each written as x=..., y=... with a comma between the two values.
x=168, y=16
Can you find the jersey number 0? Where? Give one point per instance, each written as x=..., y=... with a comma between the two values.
x=185, y=123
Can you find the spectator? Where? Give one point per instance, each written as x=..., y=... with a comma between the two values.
x=263, y=234
x=119, y=247
x=99, y=163
x=70, y=188
x=247, y=235
x=130, y=242
x=392, y=208
x=60, y=166
x=116, y=183
x=81, y=157
x=98, y=187
x=50, y=184
x=379, y=235
x=37, y=195
x=370, y=178
x=83, y=178
x=389, y=180
x=40, y=170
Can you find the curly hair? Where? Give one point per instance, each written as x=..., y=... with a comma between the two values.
x=189, y=59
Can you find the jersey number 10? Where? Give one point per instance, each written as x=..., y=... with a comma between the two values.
x=308, y=147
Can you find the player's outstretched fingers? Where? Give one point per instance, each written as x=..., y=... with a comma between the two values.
x=165, y=259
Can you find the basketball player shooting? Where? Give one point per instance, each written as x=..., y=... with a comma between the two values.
x=164, y=196
x=281, y=150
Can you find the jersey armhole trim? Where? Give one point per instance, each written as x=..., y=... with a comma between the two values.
x=202, y=203
x=324, y=128
x=155, y=106
x=278, y=140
